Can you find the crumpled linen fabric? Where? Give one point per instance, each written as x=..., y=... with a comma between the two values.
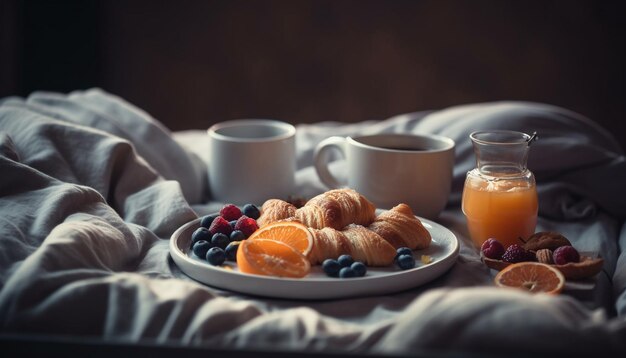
x=91, y=188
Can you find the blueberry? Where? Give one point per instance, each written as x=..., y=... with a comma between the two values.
x=201, y=233
x=403, y=251
x=201, y=247
x=220, y=240
x=359, y=268
x=237, y=235
x=207, y=220
x=347, y=272
x=405, y=262
x=231, y=251
x=216, y=256
x=232, y=223
x=345, y=260
x=251, y=211
x=331, y=267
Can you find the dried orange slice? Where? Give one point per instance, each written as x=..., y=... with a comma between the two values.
x=532, y=277
x=271, y=258
x=292, y=233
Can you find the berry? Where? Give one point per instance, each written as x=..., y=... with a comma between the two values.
x=345, y=260
x=492, y=249
x=403, y=251
x=220, y=240
x=231, y=251
x=347, y=272
x=200, y=233
x=216, y=256
x=405, y=262
x=220, y=225
x=201, y=247
x=565, y=254
x=246, y=225
x=331, y=267
x=230, y=212
x=207, y=220
x=251, y=211
x=359, y=268
x=237, y=235
x=516, y=253
x=232, y=223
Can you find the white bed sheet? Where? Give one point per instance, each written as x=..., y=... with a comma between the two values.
x=91, y=189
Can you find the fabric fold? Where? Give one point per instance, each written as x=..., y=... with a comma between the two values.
x=92, y=187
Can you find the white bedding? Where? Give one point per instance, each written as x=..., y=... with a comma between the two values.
x=91, y=188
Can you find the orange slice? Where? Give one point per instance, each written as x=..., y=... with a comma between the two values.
x=292, y=233
x=271, y=258
x=532, y=277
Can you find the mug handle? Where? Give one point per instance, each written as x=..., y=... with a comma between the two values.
x=321, y=157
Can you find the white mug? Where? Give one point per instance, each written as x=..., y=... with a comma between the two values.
x=389, y=169
x=251, y=160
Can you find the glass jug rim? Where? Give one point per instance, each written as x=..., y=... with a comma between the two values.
x=500, y=137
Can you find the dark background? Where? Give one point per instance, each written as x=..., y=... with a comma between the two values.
x=193, y=63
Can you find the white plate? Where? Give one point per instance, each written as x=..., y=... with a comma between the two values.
x=443, y=249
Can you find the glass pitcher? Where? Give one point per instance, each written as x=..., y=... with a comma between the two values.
x=500, y=194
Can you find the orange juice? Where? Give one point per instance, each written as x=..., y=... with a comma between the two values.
x=501, y=209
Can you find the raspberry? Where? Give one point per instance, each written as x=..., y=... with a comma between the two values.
x=565, y=254
x=230, y=212
x=492, y=249
x=246, y=225
x=220, y=225
x=516, y=253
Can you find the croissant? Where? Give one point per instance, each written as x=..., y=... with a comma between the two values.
x=337, y=208
x=337, y=220
x=275, y=210
x=355, y=240
x=400, y=227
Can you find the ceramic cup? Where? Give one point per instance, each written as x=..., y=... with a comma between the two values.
x=251, y=160
x=389, y=169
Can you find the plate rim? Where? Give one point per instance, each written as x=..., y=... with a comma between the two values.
x=329, y=288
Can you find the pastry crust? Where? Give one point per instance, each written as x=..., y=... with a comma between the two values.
x=343, y=221
x=401, y=228
x=275, y=210
x=337, y=209
x=355, y=240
